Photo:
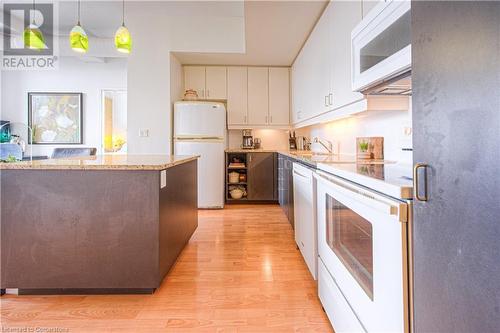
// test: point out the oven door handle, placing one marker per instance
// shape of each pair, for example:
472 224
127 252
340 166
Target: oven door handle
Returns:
366 197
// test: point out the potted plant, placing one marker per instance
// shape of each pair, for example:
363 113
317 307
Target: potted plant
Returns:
363 150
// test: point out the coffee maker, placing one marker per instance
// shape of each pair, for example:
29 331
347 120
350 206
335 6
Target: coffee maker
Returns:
247 139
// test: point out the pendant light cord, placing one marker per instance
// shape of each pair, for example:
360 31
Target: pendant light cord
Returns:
34 11
123 12
78 12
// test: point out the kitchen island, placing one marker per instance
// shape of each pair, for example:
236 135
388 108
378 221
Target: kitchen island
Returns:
100 224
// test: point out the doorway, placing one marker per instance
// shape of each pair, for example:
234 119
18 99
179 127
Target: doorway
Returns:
114 122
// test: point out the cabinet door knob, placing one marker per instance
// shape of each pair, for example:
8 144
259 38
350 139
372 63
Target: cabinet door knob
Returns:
326 100
330 98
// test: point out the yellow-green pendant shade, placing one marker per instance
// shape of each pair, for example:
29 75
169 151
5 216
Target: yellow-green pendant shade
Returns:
33 38
78 39
123 40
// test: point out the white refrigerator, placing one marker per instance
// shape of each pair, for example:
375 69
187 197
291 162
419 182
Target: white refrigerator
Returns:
200 129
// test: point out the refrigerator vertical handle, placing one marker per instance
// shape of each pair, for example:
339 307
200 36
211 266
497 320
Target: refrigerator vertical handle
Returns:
416 188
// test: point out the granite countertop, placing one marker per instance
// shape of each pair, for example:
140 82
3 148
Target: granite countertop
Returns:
388 177
103 162
241 150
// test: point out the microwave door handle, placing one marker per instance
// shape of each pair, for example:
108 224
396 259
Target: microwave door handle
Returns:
369 198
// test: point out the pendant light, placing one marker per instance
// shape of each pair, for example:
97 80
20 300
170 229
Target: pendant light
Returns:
78 39
123 40
33 36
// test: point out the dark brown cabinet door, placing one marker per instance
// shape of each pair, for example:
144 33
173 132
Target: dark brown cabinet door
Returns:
262 180
289 192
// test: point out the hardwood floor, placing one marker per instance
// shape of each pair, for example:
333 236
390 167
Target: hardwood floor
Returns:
241 272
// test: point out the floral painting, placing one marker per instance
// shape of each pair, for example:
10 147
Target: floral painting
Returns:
55 118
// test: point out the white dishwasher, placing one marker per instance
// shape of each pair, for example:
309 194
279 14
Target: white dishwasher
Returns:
304 194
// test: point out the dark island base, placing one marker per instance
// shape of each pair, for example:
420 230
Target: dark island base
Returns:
88 291
94 230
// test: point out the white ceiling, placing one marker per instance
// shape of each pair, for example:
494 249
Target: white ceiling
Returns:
99 18
102 18
275 31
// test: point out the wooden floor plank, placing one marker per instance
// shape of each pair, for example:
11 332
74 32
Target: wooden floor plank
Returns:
241 272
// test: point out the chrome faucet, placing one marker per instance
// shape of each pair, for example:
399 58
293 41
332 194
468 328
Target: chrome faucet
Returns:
328 146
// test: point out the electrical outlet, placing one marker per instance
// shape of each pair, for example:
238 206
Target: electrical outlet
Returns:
143 132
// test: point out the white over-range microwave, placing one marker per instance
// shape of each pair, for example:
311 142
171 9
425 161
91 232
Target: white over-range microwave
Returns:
381 45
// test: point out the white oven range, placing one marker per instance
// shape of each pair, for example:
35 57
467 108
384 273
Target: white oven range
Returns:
363 255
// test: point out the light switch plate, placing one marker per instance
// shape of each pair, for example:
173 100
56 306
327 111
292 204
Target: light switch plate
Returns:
143 132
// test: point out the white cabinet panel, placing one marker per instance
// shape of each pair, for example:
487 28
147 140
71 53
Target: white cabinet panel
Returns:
311 74
298 83
215 82
279 96
304 216
318 61
194 78
344 16
336 307
237 98
258 95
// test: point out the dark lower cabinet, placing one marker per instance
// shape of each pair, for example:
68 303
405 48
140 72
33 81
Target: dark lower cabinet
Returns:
262 177
285 186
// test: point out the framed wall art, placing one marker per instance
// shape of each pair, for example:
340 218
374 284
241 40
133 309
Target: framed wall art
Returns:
56 118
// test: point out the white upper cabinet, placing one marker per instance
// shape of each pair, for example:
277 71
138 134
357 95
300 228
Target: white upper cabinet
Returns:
237 97
298 87
279 96
321 73
209 82
344 16
194 78
215 82
316 61
258 95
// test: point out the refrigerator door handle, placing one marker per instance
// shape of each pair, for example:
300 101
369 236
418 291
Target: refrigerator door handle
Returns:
416 188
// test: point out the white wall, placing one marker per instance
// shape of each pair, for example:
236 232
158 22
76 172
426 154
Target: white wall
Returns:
388 124
176 87
158 28
72 76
